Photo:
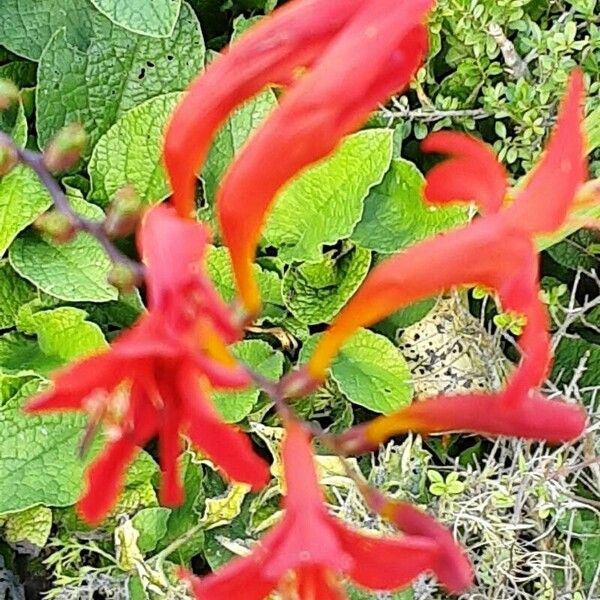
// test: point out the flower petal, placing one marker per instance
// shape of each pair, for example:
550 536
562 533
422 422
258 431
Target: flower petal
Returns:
542 205
533 417
471 173
229 448
105 479
386 563
293 36
241 578
318 583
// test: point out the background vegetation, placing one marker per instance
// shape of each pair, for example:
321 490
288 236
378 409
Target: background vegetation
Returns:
529 515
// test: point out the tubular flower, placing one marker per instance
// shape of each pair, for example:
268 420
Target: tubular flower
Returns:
375 44
373 56
302 554
155 378
497 251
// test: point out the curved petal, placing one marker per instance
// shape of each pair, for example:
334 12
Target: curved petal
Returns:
471 173
171 489
105 479
241 578
293 36
378 52
542 205
386 563
318 583
532 417
229 448
451 565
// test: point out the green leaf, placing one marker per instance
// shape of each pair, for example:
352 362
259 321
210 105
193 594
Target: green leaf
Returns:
116 314
152 526
130 153
22 200
315 292
370 371
14 292
396 215
156 18
592 129
576 355
27 25
76 271
232 136
325 202
28 531
404 318
261 358
39 462
218 267
116 72
20 72
573 252
62 334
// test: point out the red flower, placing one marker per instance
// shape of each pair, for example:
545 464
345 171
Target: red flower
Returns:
155 378
302 554
497 251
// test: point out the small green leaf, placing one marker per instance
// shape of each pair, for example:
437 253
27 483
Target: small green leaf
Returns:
156 18
151 524
370 371
263 359
325 202
75 271
130 153
315 292
592 129
116 72
396 215
14 292
27 531
218 267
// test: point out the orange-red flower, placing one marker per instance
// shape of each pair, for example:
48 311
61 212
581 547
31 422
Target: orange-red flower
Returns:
155 378
303 554
373 56
497 251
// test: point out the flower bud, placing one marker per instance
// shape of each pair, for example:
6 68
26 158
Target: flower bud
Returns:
8 158
65 148
9 94
57 225
124 213
124 278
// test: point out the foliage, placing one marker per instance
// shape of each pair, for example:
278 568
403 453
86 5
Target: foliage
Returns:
496 69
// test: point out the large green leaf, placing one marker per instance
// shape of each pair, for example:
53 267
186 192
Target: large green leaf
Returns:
261 358
370 371
315 292
155 18
39 462
76 271
130 153
116 72
396 216
51 338
325 202
28 530
232 136
26 26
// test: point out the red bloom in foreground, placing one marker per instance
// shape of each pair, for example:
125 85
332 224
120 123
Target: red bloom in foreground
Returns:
155 378
302 555
497 251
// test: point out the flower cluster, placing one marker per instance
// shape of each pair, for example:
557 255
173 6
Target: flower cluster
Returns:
336 60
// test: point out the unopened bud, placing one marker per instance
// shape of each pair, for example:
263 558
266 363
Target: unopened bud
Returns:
8 158
58 226
124 278
9 94
124 213
65 148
